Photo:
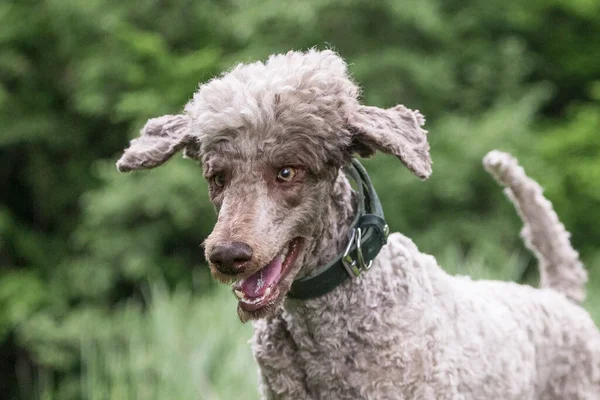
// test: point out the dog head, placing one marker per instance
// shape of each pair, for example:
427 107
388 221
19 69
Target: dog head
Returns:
271 138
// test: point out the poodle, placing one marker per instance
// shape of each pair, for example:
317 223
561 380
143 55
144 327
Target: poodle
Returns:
341 308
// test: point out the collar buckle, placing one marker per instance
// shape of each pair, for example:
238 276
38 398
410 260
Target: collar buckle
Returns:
355 267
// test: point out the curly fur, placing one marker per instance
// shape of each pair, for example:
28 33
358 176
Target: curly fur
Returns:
408 330
405 329
543 233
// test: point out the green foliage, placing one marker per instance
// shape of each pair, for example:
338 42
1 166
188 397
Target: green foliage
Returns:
571 150
172 350
79 78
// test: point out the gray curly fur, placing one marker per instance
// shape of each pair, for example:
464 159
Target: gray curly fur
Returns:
160 139
405 329
543 233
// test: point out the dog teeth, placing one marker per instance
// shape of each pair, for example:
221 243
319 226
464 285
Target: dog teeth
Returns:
240 295
283 254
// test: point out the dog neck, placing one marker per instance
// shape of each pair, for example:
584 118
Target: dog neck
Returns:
369 232
333 226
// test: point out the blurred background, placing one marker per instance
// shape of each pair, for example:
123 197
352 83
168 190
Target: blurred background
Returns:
104 293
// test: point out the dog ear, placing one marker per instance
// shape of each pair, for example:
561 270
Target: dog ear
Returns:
394 131
159 140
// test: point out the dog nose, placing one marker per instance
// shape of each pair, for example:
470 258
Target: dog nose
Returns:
230 258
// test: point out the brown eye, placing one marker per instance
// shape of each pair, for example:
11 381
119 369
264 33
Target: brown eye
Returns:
286 174
219 181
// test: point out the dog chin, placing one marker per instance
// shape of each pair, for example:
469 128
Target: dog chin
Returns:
263 312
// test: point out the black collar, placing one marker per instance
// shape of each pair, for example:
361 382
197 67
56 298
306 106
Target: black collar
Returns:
368 235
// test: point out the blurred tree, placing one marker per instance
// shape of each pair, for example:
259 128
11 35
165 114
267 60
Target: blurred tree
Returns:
76 79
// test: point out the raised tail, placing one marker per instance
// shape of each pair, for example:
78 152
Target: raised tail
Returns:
543 233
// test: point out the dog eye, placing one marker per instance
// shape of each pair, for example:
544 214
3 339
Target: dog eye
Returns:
219 181
286 174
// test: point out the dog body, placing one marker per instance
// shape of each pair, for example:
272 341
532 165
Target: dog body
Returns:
272 139
407 330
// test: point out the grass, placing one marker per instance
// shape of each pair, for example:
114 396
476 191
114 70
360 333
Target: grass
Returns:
182 347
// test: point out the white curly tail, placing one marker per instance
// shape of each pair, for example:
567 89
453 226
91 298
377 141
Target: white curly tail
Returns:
543 233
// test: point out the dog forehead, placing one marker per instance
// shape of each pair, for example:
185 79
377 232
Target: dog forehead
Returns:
320 72
299 101
287 88
298 140
256 149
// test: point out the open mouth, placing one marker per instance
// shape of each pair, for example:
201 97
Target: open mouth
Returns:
262 288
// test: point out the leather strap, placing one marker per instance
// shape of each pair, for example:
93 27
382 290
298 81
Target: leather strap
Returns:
368 228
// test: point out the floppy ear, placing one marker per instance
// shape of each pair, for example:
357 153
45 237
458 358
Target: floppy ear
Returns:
159 140
394 131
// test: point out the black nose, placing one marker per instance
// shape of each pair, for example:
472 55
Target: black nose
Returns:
230 258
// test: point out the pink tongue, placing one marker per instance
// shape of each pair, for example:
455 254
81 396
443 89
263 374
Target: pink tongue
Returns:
256 285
